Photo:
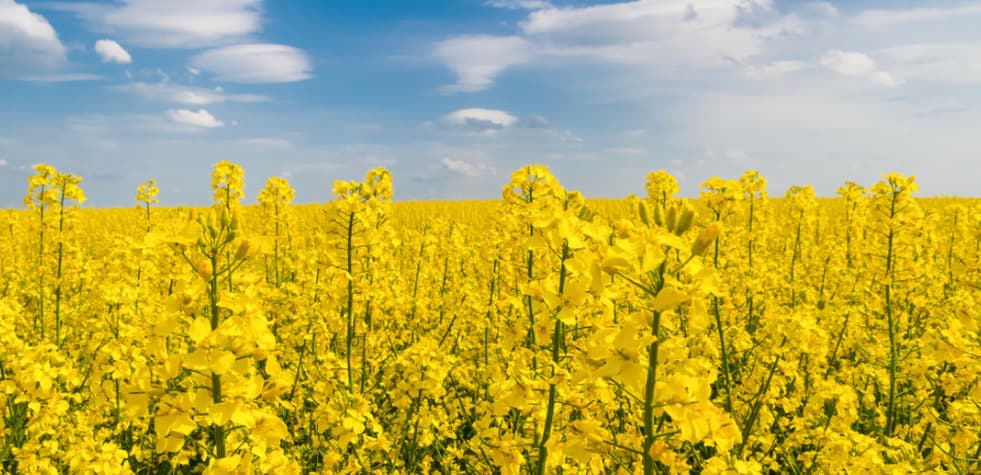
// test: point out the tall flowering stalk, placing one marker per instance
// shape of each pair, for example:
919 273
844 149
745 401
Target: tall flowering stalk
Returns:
853 194
754 195
51 189
361 209
532 194
275 199
146 194
802 204
661 187
896 216
648 257
721 196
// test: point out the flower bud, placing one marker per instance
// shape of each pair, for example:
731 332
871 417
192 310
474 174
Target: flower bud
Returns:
243 250
707 237
204 269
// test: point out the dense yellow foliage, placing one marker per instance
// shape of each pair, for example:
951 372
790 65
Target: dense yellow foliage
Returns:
539 333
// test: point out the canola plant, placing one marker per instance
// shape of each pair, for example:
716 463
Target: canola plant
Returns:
544 332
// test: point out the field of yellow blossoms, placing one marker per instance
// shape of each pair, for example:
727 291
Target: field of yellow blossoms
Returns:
540 333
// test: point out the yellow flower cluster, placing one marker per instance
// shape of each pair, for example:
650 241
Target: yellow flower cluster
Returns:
544 332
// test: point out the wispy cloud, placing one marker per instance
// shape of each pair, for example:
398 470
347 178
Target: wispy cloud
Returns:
482 121
478 59
466 168
194 96
654 35
892 17
936 63
60 77
853 63
518 4
171 24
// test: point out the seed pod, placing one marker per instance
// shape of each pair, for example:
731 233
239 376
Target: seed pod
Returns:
212 225
659 215
684 223
642 211
672 218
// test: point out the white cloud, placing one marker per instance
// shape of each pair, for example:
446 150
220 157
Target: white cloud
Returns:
478 59
60 77
943 63
201 118
3 163
466 168
130 128
518 4
482 121
194 96
849 63
810 130
28 43
853 63
112 52
658 32
255 63
655 36
884 18
173 24
822 8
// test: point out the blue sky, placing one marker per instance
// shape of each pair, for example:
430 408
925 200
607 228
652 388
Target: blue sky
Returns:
452 96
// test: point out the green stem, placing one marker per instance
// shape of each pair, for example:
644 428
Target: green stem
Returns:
890 320
40 265
350 299
276 274
755 410
649 426
726 376
558 341
218 432
61 244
